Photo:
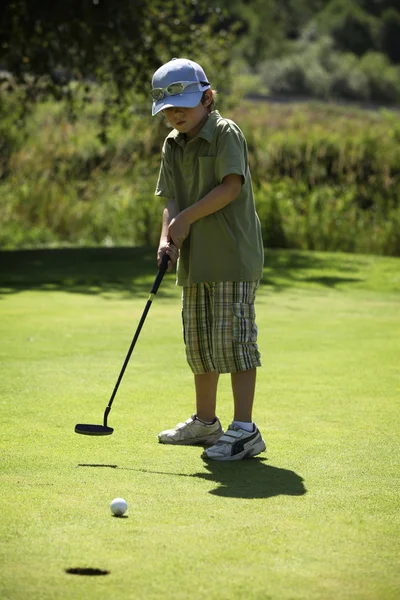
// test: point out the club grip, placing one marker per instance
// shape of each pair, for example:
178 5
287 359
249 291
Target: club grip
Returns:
161 272
164 262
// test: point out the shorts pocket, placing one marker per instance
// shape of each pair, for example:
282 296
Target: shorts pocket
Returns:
244 324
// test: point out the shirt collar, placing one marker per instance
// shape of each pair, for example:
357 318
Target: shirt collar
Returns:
206 132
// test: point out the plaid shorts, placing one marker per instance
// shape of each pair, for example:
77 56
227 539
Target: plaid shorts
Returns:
219 327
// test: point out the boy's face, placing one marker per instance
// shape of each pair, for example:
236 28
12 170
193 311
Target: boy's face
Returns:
187 120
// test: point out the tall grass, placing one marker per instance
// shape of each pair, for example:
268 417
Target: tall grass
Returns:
325 177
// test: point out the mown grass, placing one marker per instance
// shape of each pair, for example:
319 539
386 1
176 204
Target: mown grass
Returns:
315 518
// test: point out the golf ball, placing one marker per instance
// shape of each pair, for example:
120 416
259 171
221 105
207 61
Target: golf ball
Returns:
118 507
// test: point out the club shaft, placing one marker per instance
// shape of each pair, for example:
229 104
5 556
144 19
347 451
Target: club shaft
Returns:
128 356
156 285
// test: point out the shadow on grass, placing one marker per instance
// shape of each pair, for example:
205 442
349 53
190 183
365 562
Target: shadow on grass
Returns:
252 479
286 268
131 271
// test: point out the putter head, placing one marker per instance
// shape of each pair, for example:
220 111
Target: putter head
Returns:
93 429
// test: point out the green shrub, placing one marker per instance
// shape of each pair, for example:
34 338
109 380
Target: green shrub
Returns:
348 80
326 218
316 69
382 77
284 76
100 211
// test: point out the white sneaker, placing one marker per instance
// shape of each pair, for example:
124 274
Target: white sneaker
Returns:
236 444
191 432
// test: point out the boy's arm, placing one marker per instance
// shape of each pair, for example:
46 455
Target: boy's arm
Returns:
222 195
169 213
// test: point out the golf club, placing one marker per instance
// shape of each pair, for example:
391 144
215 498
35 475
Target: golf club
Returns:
87 429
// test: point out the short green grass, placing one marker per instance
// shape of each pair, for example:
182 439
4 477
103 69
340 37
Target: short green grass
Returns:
316 517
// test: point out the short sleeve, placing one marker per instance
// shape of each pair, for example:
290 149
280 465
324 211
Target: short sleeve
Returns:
165 184
231 155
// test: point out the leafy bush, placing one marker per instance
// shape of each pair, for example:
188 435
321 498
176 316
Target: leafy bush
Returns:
348 80
326 218
284 76
382 77
301 73
317 70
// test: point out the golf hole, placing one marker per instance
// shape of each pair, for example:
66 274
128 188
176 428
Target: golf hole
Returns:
86 571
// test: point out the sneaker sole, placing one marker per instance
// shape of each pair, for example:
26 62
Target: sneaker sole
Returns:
253 451
210 440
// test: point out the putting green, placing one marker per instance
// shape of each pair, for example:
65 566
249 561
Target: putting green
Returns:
314 518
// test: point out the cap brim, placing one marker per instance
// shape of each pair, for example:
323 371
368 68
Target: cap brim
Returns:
188 100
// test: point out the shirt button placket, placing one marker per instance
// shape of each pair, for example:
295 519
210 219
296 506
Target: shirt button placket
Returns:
187 163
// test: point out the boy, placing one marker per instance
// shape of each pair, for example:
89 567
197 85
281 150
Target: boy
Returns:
210 223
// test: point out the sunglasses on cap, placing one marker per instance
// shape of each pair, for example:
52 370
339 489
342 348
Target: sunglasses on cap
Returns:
174 88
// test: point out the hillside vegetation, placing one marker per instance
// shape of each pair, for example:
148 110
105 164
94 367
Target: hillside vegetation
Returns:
325 177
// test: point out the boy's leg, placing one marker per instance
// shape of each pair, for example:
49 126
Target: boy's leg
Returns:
206 395
243 388
237 353
203 427
242 438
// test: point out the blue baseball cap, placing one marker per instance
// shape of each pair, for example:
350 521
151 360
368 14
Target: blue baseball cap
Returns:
178 70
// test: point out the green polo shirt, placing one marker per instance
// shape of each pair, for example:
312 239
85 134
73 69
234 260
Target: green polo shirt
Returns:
226 245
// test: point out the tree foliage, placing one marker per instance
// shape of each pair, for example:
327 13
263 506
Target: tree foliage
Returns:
390 34
352 29
120 43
